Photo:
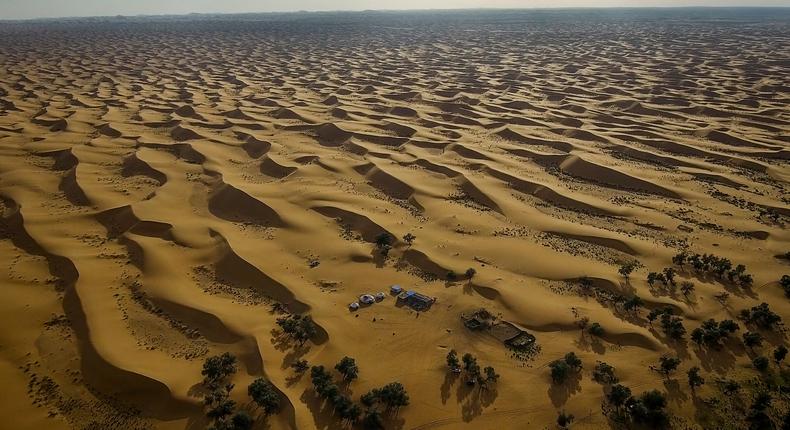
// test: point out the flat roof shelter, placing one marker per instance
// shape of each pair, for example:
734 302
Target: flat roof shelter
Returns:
415 300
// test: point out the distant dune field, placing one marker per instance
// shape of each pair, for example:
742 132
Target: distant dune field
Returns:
172 186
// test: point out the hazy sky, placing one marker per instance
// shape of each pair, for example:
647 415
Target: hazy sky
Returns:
20 9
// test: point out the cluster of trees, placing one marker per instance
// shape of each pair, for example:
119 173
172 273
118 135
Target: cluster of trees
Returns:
471 369
300 328
377 401
565 367
761 316
712 333
647 409
604 373
671 325
785 284
326 388
713 265
221 409
666 277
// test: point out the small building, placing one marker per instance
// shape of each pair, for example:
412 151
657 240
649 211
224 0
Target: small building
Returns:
380 296
396 289
367 299
415 300
354 306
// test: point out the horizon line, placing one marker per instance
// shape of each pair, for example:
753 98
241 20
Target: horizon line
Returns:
353 11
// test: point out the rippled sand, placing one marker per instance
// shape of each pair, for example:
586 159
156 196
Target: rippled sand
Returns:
166 182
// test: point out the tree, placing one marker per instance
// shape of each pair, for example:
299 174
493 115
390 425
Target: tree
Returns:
649 408
373 420
618 394
604 373
219 404
668 365
217 368
760 363
564 420
348 368
452 360
263 393
669 275
384 243
785 284
409 238
451 276
470 273
242 421
686 287
695 379
573 361
680 258
757 418
633 304
626 269
472 368
652 277
596 329
559 371
752 339
780 353
586 284
321 378
491 375
300 366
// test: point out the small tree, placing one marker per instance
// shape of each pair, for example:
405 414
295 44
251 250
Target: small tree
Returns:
452 360
626 269
573 361
300 366
669 275
451 276
604 373
633 304
564 420
384 243
559 371
263 393
348 368
668 365
686 287
695 379
760 363
785 284
242 421
470 273
596 329
618 394
752 339
217 368
491 376
779 354
409 238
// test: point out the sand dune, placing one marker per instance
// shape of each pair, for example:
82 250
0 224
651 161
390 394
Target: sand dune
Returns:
171 186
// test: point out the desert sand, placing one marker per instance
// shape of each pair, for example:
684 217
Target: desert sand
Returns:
172 185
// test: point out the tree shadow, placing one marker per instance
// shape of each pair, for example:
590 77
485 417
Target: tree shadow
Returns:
674 392
322 411
449 381
560 393
715 360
